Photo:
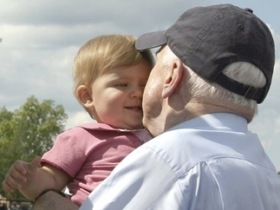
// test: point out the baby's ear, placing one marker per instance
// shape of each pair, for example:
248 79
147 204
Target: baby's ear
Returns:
84 95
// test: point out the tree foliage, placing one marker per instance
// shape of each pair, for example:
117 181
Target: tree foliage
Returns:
28 132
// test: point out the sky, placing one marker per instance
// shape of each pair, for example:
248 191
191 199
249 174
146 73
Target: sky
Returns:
40 39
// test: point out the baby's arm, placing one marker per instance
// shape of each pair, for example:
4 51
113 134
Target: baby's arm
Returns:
31 179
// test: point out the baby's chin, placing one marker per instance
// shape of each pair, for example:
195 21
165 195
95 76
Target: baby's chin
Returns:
132 126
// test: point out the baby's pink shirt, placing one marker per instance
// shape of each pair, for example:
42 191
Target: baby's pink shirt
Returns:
88 153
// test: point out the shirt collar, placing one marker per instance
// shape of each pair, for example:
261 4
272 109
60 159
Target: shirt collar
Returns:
221 121
142 134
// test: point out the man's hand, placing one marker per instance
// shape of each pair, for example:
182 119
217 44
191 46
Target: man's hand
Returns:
51 200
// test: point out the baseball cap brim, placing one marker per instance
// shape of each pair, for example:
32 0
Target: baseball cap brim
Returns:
150 40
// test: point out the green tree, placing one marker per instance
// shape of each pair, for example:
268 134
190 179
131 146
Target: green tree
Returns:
28 132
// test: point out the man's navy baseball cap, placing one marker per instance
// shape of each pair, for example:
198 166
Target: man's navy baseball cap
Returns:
207 39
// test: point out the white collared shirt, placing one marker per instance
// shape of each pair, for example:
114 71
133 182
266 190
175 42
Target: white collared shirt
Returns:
208 163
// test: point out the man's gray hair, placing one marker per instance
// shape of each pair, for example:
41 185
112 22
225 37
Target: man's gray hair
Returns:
242 72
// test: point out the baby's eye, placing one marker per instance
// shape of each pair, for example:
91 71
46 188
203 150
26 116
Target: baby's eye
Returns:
122 85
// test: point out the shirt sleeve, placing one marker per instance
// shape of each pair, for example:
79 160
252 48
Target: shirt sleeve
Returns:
67 153
130 186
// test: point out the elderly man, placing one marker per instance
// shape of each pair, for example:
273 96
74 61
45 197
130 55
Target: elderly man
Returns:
213 67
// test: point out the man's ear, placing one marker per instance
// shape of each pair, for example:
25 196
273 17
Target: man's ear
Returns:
173 78
84 96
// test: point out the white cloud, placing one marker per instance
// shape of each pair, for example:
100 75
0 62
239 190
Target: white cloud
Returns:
77 118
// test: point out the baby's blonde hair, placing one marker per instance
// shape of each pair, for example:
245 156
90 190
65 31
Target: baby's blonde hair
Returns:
103 53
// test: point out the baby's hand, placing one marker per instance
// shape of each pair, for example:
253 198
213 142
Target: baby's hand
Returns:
19 174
